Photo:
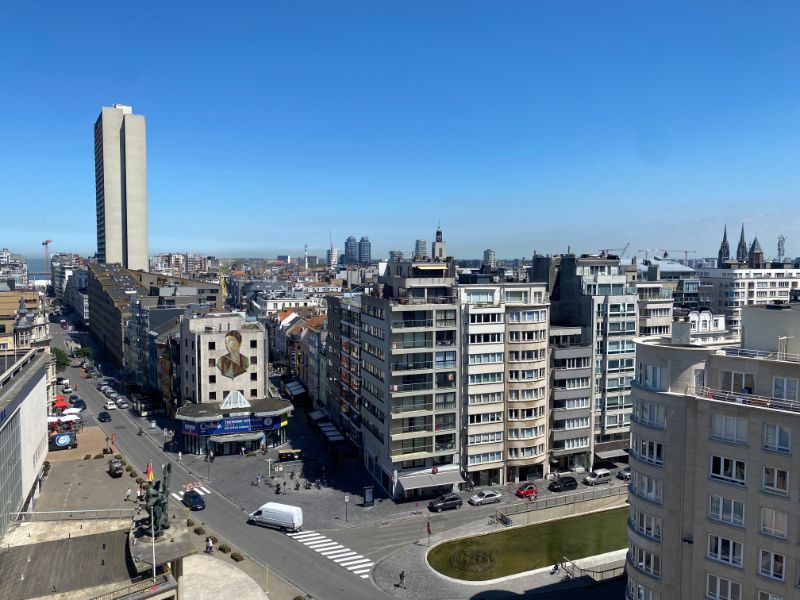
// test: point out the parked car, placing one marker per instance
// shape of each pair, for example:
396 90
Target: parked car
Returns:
624 473
598 476
73 397
281 516
485 497
104 417
563 484
109 405
67 389
193 500
526 490
115 468
122 403
80 404
444 502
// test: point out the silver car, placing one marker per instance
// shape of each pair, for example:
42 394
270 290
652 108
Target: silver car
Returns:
485 497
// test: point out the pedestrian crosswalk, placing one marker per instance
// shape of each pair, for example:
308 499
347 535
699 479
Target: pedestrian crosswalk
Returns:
344 557
199 489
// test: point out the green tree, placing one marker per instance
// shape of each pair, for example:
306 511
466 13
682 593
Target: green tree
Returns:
84 352
62 360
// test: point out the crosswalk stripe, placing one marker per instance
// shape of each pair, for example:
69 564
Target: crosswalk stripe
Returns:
336 553
350 561
320 544
178 498
325 551
360 571
207 491
200 492
294 535
365 576
347 556
309 536
353 567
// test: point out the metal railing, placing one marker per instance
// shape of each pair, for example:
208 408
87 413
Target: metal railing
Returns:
404 345
564 499
412 366
742 398
73 515
411 387
763 354
412 323
426 428
160 583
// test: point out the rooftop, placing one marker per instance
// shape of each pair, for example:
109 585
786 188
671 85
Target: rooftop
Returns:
24 370
212 410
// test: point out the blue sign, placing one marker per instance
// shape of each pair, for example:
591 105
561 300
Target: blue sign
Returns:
64 440
231 425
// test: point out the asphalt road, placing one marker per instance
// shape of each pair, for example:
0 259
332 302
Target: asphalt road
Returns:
292 561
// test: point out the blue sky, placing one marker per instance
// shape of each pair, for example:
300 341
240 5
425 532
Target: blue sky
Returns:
518 125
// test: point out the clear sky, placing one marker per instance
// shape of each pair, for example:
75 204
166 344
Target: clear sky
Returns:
519 125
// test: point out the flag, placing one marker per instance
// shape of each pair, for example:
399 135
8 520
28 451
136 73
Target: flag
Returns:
149 472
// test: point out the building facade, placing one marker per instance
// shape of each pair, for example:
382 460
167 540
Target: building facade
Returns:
120 154
364 251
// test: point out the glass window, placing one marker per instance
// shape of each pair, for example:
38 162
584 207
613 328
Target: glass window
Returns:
724 550
728 469
720 588
729 429
771 564
726 510
773 522
776 438
776 480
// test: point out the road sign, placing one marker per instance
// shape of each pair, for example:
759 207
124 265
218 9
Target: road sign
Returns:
347 498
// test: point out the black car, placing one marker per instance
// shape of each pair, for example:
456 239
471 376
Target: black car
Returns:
444 502
193 500
79 404
563 484
104 417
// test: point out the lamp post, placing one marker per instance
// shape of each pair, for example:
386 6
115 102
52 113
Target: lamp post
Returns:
346 502
269 468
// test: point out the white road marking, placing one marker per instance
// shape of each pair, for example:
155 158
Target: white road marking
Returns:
325 551
344 557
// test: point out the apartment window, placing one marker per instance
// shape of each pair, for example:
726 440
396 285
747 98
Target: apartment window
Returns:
728 469
768 596
647 487
528 393
729 429
646 524
776 438
773 522
479 297
479 378
486 338
516 296
737 382
212 362
212 379
478 459
253 360
485 438
719 588
212 395
784 388
489 398
527 316
645 561
212 345
253 376
776 480
575 443
771 564
254 343
495 417
637 591
724 550
253 392
649 413
486 358
481 318
648 451
726 510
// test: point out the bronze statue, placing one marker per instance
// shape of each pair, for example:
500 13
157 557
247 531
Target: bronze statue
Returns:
157 503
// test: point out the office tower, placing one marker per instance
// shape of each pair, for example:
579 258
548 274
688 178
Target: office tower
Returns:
364 251
350 251
410 414
593 292
396 255
490 258
120 160
505 386
333 257
439 248
420 250
714 437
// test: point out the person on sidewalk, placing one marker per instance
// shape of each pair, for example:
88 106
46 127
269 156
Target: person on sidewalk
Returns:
209 545
128 494
402 583
180 456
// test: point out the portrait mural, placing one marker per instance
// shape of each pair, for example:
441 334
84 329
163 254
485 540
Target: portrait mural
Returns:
233 363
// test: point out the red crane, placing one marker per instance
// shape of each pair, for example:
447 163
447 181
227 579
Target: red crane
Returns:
46 245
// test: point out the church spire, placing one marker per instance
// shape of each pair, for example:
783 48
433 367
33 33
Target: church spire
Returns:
724 254
741 249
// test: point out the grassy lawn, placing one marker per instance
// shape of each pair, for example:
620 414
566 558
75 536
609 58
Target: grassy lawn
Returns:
526 548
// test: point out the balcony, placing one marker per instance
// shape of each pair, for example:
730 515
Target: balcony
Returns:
402 388
412 344
760 354
446 447
415 300
446 364
412 452
408 431
746 399
416 366
413 323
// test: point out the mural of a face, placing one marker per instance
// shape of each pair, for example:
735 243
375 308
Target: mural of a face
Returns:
233 364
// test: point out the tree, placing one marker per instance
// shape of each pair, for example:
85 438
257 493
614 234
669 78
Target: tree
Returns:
62 360
83 352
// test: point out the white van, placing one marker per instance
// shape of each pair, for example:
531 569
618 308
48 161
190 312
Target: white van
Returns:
280 516
598 476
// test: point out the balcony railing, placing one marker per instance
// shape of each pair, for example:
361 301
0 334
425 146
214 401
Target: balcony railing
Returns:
426 428
405 345
405 300
446 447
412 366
747 399
412 323
762 354
446 364
412 450
411 387
401 409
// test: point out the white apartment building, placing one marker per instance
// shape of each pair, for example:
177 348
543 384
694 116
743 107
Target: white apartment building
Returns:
715 487
504 365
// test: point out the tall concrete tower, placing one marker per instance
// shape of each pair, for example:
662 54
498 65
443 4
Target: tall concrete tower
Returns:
120 168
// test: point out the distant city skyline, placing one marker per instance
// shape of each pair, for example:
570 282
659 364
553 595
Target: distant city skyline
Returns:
583 125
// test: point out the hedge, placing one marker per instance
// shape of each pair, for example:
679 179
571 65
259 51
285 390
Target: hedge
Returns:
224 548
199 531
237 557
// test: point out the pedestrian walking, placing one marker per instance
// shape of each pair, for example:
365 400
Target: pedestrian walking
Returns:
241 451
209 545
139 495
128 494
258 479
211 456
402 583
180 456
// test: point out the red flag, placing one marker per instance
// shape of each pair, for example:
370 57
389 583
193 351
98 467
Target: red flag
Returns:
149 472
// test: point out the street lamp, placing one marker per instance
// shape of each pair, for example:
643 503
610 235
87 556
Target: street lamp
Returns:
269 468
346 502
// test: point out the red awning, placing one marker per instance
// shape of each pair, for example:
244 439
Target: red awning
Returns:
60 397
61 404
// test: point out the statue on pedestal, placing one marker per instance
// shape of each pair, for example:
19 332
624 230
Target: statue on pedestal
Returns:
157 503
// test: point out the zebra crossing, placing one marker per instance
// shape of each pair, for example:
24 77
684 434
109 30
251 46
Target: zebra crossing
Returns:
344 557
199 489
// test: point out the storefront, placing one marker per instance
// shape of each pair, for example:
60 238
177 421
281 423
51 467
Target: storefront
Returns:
235 424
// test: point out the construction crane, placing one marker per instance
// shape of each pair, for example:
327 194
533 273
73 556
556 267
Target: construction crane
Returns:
46 245
686 253
621 251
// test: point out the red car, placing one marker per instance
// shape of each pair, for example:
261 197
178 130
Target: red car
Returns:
526 490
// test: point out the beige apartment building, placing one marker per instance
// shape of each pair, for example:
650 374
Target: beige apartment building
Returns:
715 436
505 376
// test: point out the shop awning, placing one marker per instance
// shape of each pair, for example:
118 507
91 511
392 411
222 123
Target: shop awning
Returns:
235 437
608 454
61 404
425 480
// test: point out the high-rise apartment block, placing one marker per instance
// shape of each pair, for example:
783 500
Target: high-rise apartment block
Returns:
13 267
439 248
490 258
714 438
332 256
120 158
420 250
350 251
62 266
364 251
594 293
